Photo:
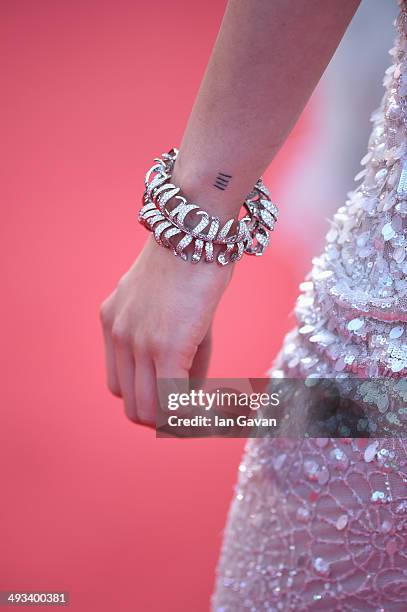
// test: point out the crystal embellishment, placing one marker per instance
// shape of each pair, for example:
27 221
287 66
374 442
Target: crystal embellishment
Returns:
163 205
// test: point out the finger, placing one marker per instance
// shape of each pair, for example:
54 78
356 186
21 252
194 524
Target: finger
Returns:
145 390
111 366
110 357
167 367
202 357
125 370
172 378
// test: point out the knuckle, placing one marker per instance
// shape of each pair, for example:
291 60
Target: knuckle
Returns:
139 343
121 283
106 310
114 388
131 416
172 351
185 355
120 333
145 418
160 347
207 341
104 313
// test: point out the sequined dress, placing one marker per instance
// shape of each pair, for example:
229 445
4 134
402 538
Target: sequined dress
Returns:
321 523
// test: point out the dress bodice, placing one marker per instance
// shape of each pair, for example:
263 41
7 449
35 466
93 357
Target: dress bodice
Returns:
352 310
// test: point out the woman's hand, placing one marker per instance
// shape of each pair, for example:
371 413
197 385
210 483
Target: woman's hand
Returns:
157 324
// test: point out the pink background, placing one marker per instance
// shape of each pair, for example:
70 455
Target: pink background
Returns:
91 503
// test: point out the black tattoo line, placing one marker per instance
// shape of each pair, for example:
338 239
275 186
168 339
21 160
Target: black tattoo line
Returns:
222 180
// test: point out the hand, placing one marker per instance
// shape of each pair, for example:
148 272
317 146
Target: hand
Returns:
157 324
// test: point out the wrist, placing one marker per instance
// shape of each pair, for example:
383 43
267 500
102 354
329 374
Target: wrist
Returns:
198 186
170 262
173 215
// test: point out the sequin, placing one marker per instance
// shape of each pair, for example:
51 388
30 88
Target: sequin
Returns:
342 522
378 496
325 528
355 324
386 526
323 475
321 566
303 514
388 231
279 461
311 469
339 459
370 451
306 329
396 332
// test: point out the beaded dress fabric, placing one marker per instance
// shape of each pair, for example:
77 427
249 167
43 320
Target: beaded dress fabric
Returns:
321 523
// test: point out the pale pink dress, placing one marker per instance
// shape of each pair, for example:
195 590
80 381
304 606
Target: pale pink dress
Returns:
321 523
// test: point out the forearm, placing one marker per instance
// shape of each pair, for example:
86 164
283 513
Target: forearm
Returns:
266 62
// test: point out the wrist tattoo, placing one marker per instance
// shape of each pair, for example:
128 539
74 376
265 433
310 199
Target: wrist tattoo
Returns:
222 180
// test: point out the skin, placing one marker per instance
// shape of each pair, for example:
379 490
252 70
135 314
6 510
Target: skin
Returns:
266 62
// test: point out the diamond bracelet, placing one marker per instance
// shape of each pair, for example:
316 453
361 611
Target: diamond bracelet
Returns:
252 231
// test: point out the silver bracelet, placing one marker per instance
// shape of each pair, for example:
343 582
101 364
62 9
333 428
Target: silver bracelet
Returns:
252 231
